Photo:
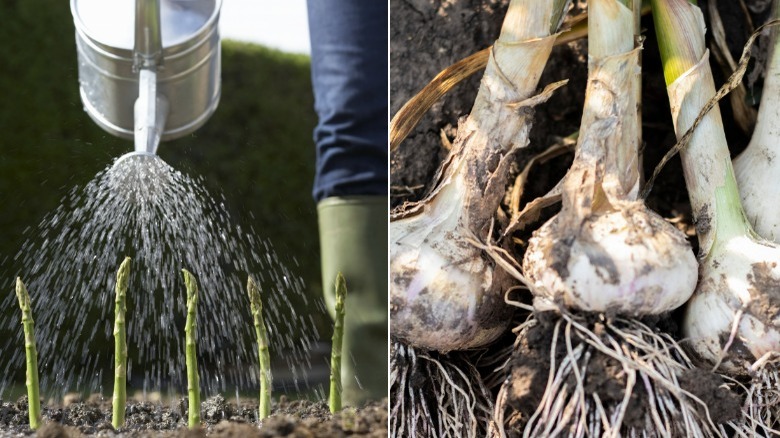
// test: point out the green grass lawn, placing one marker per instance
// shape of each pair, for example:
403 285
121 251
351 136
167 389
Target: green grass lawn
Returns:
257 148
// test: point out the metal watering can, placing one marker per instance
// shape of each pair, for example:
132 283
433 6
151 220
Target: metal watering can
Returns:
153 78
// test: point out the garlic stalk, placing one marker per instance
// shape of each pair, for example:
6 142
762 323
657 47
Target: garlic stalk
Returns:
606 251
757 168
732 318
445 292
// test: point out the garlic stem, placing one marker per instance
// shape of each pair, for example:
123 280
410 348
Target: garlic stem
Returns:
680 48
706 161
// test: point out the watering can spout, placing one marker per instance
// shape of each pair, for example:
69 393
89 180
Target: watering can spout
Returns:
151 111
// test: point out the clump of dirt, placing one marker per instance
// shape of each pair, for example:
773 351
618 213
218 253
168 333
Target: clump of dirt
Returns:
723 404
299 418
603 376
764 306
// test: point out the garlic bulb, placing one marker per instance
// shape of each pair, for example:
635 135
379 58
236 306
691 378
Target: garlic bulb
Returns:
737 287
606 251
624 259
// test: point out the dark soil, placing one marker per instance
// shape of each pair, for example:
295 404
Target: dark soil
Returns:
710 388
219 419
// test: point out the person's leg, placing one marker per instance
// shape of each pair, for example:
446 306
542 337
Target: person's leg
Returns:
349 75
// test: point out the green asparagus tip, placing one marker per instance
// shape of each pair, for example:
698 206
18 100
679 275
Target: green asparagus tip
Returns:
254 295
21 294
124 268
341 290
192 287
123 275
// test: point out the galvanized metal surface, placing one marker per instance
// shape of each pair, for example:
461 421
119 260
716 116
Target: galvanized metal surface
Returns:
188 77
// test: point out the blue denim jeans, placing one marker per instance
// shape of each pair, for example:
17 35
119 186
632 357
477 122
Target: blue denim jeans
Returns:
349 75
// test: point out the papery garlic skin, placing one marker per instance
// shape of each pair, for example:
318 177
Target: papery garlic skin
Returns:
628 261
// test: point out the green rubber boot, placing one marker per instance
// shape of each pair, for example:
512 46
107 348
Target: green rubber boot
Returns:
353 241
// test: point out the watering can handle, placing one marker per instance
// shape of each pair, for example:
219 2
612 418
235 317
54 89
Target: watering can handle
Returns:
148 37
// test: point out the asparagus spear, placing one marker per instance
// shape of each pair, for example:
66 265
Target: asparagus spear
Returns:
262 349
34 401
120 346
193 382
334 400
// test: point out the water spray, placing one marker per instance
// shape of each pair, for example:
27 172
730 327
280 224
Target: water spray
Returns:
151 80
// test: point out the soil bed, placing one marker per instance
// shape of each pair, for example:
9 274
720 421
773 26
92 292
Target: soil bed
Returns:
300 418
